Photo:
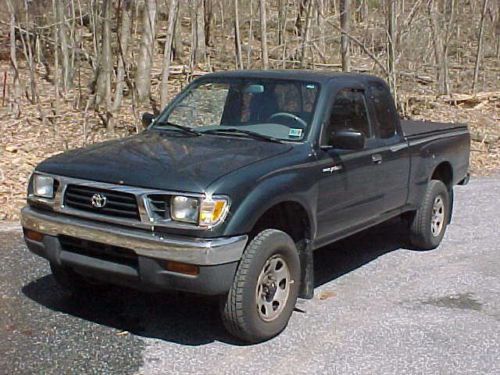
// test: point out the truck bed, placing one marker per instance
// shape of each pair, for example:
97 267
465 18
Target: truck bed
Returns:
413 127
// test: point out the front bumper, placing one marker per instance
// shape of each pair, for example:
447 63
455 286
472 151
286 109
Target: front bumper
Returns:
217 258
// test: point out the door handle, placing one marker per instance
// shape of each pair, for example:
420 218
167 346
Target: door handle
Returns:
377 158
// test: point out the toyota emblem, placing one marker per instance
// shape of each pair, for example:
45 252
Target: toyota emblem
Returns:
98 200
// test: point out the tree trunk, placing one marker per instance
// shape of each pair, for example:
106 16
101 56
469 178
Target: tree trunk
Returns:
167 54
104 69
305 36
479 47
345 26
237 37
263 34
321 26
105 65
67 71
450 15
177 47
146 51
436 41
250 37
391 36
123 38
281 21
15 92
198 50
300 13
26 39
440 33
208 17
56 63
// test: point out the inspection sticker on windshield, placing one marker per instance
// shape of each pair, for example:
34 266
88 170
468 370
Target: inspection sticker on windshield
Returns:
295 132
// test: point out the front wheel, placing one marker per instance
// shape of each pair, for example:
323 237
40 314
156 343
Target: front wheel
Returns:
428 225
265 288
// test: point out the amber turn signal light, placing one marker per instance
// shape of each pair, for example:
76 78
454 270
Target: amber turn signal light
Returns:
187 269
32 235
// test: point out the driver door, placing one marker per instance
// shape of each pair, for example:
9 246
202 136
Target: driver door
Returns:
347 196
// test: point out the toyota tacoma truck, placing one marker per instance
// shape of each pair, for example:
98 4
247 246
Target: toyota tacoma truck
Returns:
232 187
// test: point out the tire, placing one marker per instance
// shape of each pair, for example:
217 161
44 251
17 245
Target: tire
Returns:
73 282
428 225
262 297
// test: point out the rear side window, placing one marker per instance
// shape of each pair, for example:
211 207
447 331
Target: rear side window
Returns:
383 105
349 113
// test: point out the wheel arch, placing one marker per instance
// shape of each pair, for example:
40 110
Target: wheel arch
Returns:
444 173
290 216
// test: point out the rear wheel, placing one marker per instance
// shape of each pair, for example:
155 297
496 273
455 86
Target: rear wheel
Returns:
428 225
265 288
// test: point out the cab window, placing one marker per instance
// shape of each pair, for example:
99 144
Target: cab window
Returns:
384 112
348 112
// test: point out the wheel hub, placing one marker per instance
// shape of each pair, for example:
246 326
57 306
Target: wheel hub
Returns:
273 288
269 290
438 216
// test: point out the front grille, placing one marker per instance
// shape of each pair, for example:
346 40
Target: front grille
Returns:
98 250
159 206
118 204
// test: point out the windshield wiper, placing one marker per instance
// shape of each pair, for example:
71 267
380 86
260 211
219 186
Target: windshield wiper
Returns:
186 129
243 132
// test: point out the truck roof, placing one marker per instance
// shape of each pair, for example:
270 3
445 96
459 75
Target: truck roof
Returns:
319 76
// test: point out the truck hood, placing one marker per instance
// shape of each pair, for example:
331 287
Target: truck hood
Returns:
162 160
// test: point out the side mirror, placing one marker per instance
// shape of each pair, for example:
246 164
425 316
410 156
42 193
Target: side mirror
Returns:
347 140
147 119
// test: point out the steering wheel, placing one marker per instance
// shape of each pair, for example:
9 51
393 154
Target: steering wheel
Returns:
290 116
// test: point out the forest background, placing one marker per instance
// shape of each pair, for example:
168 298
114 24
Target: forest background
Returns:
75 72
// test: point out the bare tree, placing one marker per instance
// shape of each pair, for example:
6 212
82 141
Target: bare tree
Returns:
345 26
479 46
26 40
146 50
198 50
167 54
105 65
178 51
237 37
441 33
56 63
67 69
300 14
250 36
263 34
16 91
123 40
392 38
306 36
208 16
321 10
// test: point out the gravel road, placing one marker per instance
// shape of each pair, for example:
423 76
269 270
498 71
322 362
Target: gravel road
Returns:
379 308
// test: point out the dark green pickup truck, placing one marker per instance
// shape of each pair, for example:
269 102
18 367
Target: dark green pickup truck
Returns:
234 185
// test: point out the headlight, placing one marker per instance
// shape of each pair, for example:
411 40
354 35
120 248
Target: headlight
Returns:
43 186
205 212
185 209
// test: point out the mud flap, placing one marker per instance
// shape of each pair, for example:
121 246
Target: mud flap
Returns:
307 270
451 195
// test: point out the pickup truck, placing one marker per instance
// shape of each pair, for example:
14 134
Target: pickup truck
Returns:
232 187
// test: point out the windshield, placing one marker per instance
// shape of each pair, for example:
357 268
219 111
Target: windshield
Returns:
281 109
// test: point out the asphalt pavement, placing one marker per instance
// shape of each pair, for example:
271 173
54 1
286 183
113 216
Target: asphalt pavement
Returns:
379 308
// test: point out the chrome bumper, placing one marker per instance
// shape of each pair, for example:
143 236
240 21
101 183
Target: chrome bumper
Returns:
200 251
